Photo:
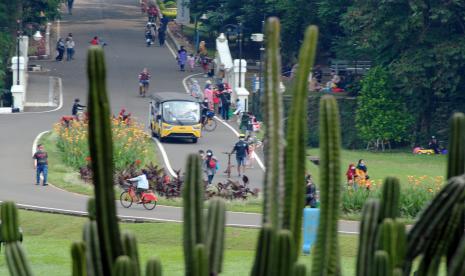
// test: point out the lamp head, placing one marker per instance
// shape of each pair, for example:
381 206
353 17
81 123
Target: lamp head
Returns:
37 36
204 17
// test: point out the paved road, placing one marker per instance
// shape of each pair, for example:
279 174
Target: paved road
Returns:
120 24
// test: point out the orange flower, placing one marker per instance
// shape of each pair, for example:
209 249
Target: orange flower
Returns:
88 158
138 162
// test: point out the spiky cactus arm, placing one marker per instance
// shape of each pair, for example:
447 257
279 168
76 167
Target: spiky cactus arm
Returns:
15 256
101 152
433 217
455 167
441 242
215 234
264 254
130 250
193 196
326 257
390 199
367 237
284 257
457 265
200 261
78 256
274 175
297 141
94 266
153 267
123 266
456 160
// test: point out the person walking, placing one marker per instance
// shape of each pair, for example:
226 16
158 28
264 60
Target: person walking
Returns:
41 164
70 47
210 166
241 148
70 7
191 62
310 194
208 94
161 36
196 90
182 58
61 49
225 97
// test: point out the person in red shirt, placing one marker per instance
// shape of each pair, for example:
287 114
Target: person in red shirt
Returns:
350 174
94 41
41 164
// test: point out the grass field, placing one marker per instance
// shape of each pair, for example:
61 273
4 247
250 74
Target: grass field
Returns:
48 238
380 165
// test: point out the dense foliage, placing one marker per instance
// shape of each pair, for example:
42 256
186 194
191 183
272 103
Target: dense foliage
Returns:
381 113
26 11
420 44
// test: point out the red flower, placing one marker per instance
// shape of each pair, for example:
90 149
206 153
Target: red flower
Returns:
88 158
138 162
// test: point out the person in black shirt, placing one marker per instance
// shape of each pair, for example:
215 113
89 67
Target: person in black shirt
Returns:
76 108
241 148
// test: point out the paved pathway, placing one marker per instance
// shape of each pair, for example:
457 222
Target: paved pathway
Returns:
120 24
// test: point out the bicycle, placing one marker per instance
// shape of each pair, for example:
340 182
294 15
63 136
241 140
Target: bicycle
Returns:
148 198
227 171
143 88
209 123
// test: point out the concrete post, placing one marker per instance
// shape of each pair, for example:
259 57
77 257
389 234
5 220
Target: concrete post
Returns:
240 71
47 39
18 92
22 69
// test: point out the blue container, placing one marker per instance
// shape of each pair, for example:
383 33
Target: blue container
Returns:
311 221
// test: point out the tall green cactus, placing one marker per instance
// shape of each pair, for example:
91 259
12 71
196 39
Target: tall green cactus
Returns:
297 141
392 240
456 166
93 252
390 199
264 261
200 261
101 152
123 266
456 154
215 234
274 176
284 255
326 257
130 250
78 256
457 265
382 264
367 238
153 267
193 196
15 256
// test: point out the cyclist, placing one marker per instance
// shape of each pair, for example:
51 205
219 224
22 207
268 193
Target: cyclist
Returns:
241 148
142 184
144 81
76 108
204 110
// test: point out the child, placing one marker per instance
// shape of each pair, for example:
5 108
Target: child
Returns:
350 174
191 62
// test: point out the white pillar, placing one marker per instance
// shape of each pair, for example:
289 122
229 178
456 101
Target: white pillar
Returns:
236 70
23 46
18 92
47 39
22 69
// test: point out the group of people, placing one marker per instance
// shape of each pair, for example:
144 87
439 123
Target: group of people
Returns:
243 150
152 30
357 175
201 58
67 45
216 98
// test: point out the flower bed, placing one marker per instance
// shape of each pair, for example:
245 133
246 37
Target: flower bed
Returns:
130 143
414 195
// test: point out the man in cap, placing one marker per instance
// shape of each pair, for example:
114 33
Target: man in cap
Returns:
241 148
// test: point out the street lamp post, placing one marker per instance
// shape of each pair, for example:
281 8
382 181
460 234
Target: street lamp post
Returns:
240 54
196 30
18 37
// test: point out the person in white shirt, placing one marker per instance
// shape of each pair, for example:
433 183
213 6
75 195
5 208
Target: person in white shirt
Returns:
142 183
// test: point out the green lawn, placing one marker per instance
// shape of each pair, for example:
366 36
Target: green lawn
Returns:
48 238
380 165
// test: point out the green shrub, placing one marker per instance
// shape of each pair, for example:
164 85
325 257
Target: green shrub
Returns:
170 4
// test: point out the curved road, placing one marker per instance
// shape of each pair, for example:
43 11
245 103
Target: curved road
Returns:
120 24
